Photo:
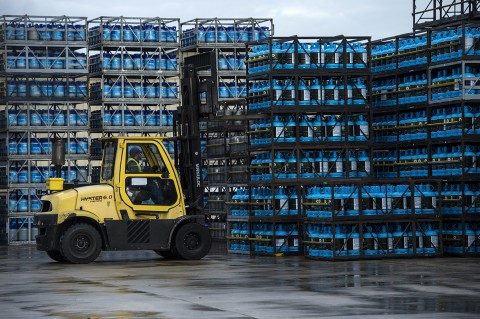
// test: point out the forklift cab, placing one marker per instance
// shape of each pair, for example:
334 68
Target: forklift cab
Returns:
145 179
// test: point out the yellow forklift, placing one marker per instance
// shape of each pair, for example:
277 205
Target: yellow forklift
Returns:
142 202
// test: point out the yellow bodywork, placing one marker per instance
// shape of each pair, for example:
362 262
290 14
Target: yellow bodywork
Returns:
106 201
54 184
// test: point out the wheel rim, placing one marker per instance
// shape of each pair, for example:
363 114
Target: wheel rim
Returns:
192 241
82 243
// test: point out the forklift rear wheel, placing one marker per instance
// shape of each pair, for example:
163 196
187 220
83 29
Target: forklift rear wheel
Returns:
80 244
56 255
192 241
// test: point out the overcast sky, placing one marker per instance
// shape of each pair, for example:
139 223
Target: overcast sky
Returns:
376 18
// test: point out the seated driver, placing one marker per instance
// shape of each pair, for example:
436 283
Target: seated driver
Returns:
151 190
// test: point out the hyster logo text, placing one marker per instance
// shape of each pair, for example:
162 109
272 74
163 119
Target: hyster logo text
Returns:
91 199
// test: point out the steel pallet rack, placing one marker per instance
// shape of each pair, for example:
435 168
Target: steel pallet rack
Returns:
43 69
226 37
426 118
313 127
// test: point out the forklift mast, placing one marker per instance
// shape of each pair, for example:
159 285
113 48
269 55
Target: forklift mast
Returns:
199 103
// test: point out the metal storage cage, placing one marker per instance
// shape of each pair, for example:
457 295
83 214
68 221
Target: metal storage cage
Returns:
432 13
225 142
43 69
134 77
312 127
426 119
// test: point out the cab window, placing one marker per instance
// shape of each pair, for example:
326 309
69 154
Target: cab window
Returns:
148 181
108 160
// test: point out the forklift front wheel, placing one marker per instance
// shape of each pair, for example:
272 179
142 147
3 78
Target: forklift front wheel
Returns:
80 244
192 241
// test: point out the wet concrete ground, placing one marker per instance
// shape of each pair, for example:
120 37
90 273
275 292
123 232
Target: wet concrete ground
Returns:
143 285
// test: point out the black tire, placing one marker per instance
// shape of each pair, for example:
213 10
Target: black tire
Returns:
192 241
56 255
80 244
167 254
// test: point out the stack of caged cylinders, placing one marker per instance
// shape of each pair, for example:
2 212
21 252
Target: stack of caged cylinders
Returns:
426 125
134 77
44 71
223 137
309 144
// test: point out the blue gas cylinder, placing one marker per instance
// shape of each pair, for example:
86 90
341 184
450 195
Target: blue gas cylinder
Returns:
35 90
292 166
306 129
151 33
281 202
35 146
106 61
116 62
59 118
138 35
127 33
115 33
331 93
33 61
59 89
11 88
11 63
304 52
20 32
46 146
316 92
13 175
128 62
331 56
22 207
307 166
280 166
12 202
21 62
150 118
401 240
117 118
35 205
116 90
82 146
35 175
341 247
148 62
58 33
138 118
12 146
22 88
22 119
22 175
171 62
128 118
72 146
430 240
385 241
81 89
128 90
361 128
